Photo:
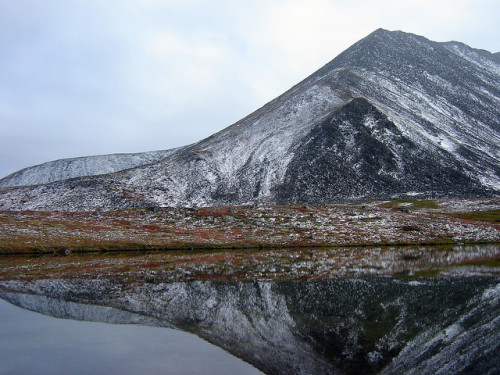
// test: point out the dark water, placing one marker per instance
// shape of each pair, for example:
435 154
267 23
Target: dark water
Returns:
31 343
338 326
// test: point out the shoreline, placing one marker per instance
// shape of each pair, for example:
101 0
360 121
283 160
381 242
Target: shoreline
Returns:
127 248
408 222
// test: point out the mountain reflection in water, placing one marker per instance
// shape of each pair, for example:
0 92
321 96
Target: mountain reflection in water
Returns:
34 344
354 326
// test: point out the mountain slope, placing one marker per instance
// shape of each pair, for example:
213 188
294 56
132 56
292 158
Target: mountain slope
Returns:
363 154
64 169
394 115
442 95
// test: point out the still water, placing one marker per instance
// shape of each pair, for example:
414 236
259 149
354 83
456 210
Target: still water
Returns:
330 326
32 343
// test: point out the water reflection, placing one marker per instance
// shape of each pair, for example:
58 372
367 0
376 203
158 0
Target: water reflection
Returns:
356 326
36 344
263 264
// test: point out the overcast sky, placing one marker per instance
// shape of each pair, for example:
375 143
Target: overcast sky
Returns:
88 77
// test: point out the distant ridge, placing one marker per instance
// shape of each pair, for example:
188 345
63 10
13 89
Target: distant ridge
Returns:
64 169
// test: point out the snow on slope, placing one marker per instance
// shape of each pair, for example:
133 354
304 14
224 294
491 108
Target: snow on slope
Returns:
442 100
441 95
83 166
241 162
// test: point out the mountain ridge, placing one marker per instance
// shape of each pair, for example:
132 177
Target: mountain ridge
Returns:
82 166
443 98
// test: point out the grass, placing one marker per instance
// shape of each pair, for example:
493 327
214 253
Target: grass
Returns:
415 203
270 227
488 215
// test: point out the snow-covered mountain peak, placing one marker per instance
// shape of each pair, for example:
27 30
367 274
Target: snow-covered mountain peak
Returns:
393 113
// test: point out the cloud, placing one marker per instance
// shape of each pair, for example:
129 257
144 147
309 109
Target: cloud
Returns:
92 77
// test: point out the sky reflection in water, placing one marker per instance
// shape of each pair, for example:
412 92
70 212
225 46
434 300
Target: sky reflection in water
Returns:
32 343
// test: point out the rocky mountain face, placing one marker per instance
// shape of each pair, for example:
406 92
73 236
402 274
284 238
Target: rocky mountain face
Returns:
365 155
394 115
343 326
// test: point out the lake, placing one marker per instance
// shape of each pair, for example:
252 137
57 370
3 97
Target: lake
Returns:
32 343
325 326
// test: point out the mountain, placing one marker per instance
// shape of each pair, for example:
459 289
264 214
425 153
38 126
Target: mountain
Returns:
340 326
64 169
394 115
